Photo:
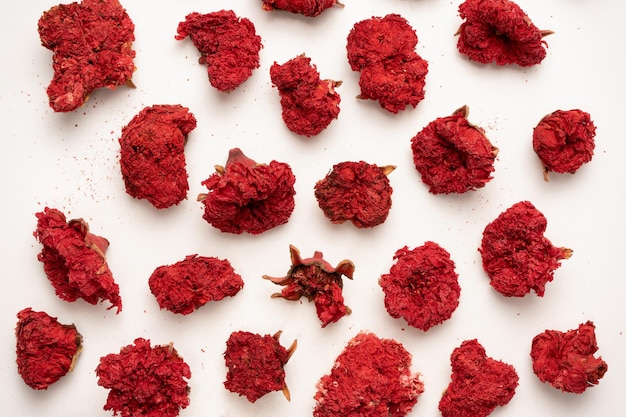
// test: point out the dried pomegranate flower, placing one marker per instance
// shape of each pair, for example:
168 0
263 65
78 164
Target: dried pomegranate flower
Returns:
452 155
370 378
248 197
92 46
564 140
144 380
383 49
566 359
316 280
152 157
228 44
499 31
516 255
422 286
310 8
46 349
356 191
256 364
479 383
191 283
74 261
308 103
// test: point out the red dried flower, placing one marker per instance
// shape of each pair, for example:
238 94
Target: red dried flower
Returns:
92 46
256 364
422 286
191 283
152 157
564 140
308 103
74 261
370 378
479 383
310 8
392 73
566 359
356 191
248 197
316 280
452 155
516 255
499 31
227 43
46 349
144 380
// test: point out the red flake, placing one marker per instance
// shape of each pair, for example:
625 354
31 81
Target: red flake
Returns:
515 254
152 157
310 8
566 359
452 155
356 191
316 280
370 378
246 196
227 43
92 46
46 349
499 31
191 283
479 383
144 380
308 103
74 260
422 286
383 50
564 140
256 364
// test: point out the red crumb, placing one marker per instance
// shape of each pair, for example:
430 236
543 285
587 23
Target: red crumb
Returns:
46 349
309 8
479 383
152 157
516 255
566 359
74 261
228 44
370 378
191 283
92 46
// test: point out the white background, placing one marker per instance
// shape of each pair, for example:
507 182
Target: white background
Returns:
70 162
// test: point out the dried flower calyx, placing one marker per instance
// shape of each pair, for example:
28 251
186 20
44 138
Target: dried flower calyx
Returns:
566 359
228 44
309 8
152 157
499 31
309 104
479 383
46 349
516 255
452 155
564 141
315 279
92 45
74 261
370 378
245 196
391 72
358 192
145 380
256 364
422 286
191 283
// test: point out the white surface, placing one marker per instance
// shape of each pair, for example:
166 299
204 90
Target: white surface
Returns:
70 162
